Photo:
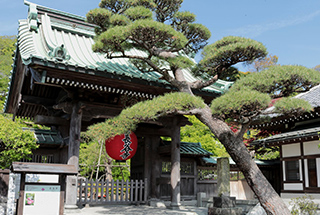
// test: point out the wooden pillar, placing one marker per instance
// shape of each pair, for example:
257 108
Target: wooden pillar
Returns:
175 165
155 167
20 202
73 154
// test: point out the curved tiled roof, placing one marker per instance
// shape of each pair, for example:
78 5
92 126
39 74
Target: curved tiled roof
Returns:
288 136
186 148
42 39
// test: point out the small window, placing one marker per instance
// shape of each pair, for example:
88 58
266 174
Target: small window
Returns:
236 175
186 168
166 167
292 170
206 175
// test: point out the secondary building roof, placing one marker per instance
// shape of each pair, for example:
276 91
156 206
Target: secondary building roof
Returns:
293 136
186 148
277 120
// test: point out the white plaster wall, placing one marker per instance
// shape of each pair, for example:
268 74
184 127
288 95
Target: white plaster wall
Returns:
284 170
293 186
291 150
306 173
300 170
318 171
311 148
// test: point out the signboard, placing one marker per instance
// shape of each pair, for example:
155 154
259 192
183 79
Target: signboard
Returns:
41 199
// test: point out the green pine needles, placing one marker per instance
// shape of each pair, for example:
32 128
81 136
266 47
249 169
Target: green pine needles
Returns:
145 111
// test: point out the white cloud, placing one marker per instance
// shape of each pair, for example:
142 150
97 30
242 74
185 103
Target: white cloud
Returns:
256 30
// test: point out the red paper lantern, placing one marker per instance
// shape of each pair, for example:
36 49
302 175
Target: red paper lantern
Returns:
122 147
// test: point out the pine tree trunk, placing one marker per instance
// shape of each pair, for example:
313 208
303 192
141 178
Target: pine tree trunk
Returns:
267 196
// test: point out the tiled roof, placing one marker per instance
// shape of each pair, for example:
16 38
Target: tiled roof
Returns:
60 40
191 149
47 136
211 161
312 96
288 136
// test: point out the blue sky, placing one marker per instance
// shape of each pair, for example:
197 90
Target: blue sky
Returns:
289 29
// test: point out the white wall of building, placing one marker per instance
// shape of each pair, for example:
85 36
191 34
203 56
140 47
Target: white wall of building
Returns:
291 150
293 186
311 148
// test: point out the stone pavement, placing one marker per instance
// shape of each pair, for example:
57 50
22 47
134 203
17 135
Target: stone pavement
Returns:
137 210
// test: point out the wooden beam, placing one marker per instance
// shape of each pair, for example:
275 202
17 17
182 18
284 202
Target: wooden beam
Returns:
90 111
50 120
37 100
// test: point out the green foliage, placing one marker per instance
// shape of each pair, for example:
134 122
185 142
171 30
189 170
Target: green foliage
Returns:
229 51
88 158
139 12
271 153
121 170
144 111
198 132
185 17
303 206
163 36
117 38
15 144
100 17
166 9
292 105
7 48
181 62
238 104
197 34
119 20
120 6
280 81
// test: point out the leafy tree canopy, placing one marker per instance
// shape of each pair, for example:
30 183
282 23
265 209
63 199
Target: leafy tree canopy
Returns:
198 132
6 50
15 143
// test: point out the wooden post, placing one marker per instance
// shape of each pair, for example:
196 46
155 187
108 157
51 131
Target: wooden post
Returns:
175 165
155 158
20 203
73 154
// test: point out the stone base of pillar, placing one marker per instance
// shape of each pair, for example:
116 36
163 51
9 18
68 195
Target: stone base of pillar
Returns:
174 206
224 211
157 203
224 202
71 209
224 205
